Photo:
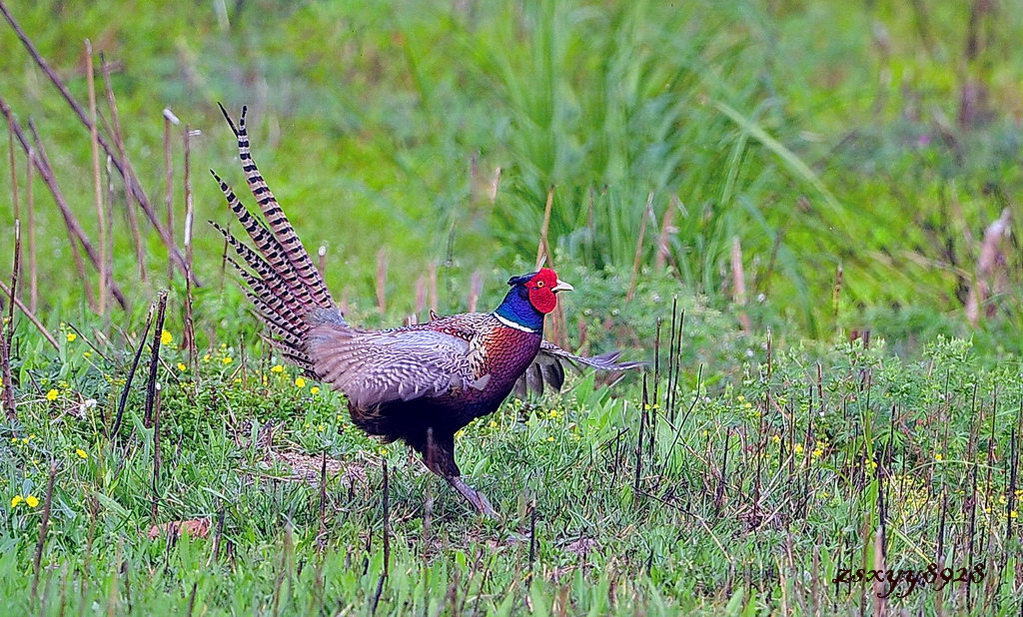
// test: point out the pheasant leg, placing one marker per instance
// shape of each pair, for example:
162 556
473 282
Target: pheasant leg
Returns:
476 498
439 456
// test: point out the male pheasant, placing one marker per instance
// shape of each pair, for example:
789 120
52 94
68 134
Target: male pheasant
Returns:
419 383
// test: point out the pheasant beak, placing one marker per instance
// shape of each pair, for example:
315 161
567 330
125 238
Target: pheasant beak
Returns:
562 286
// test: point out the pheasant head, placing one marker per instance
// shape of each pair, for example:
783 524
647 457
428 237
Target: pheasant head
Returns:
531 297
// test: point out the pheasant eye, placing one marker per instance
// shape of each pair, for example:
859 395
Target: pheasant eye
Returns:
539 283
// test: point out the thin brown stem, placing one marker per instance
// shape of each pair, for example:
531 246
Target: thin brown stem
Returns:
97 185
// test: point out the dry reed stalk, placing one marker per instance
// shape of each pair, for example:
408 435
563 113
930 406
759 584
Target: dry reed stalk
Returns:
557 331
381 282
991 260
30 214
31 316
189 330
495 184
76 235
431 290
169 119
154 358
97 186
543 249
7 332
44 528
475 289
648 212
668 229
133 185
420 295
123 400
14 172
739 284
115 122
74 229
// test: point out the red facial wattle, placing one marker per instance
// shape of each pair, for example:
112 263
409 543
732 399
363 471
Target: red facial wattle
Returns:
541 290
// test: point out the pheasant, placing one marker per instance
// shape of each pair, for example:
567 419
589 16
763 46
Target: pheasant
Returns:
419 383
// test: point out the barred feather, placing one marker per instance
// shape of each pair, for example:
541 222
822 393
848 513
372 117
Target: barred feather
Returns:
268 245
308 276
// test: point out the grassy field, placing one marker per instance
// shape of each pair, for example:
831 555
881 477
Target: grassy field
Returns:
828 192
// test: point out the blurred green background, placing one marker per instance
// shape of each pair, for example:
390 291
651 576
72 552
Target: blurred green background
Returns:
877 138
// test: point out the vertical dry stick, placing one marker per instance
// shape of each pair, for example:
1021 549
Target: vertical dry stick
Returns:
44 528
991 257
75 233
7 332
668 229
154 510
96 184
420 295
648 212
321 255
31 317
154 359
123 401
168 180
739 284
381 283
30 213
475 289
495 183
431 274
115 121
543 249
14 173
133 185
189 333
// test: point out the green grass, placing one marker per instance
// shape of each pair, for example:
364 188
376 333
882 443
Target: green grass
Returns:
798 497
824 136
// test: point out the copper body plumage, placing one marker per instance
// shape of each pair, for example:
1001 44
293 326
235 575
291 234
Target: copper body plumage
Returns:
420 383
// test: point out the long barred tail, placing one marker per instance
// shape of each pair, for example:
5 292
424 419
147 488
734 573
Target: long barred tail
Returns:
282 283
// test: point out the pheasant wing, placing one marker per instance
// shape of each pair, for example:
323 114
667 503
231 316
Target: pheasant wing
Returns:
377 367
549 368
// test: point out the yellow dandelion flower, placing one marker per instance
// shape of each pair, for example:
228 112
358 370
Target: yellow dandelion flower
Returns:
382 451
321 427
740 398
166 338
776 438
52 394
938 457
32 501
71 337
206 358
277 368
798 448
550 439
237 380
182 367
492 424
872 464
16 500
824 495
299 382
817 453
1002 500
553 413
87 355
227 360
1013 514
82 454
24 440
314 390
